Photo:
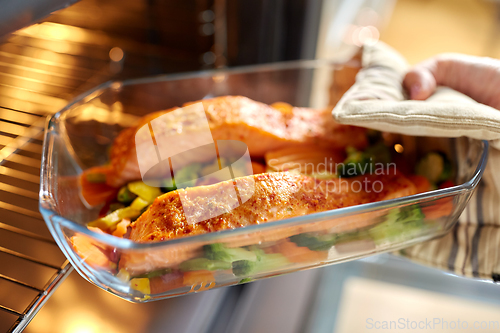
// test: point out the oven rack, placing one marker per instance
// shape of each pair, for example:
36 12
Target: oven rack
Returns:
44 66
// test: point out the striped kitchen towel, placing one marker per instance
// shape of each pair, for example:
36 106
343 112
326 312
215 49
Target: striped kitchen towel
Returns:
377 100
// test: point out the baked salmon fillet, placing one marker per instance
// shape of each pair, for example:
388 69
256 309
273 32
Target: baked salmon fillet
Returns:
261 127
270 197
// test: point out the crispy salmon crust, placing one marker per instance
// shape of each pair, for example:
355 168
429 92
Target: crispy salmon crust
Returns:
262 127
275 196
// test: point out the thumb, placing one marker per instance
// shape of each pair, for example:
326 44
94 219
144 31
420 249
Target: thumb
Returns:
420 82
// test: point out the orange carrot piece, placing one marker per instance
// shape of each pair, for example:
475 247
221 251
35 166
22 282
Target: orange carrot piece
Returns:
197 277
421 183
121 228
164 283
95 193
90 252
199 280
297 254
439 208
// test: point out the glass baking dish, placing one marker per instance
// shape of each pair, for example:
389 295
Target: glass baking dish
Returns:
79 136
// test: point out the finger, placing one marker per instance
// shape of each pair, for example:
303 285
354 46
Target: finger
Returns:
420 83
477 77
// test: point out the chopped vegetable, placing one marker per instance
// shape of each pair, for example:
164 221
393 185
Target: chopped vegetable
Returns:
243 267
264 262
139 204
121 228
165 188
188 173
96 177
139 196
95 193
399 222
439 208
90 251
167 282
115 206
204 278
298 254
435 167
204 264
153 274
351 236
379 153
211 167
141 284
125 196
123 275
110 221
355 164
359 163
421 183
314 242
144 191
218 251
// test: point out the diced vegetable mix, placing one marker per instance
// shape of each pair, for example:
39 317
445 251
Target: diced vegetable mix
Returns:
125 196
141 284
204 264
134 198
93 187
400 222
363 162
143 191
96 177
109 222
219 251
248 261
436 167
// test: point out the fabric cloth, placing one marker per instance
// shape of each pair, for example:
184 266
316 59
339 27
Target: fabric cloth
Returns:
377 100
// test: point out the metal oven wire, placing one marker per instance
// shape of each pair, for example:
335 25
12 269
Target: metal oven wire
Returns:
41 68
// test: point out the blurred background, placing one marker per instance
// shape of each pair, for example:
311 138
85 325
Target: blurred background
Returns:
45 65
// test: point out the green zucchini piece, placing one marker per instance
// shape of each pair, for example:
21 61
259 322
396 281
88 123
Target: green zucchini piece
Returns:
144 191
218 251
198 264
314 242
96 177
435 167
150 275
398 222
110 221
264 262
125 196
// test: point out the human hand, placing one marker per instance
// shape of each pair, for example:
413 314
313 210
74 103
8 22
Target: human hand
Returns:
477 77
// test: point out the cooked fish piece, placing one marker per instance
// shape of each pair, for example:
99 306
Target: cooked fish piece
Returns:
271 196
262 127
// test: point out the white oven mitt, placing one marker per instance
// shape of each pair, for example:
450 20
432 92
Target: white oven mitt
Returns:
378 101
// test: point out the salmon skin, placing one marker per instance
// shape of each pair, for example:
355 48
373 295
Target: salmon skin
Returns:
261 127
275 196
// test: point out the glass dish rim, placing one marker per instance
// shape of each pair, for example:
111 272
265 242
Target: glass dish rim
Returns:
128 244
